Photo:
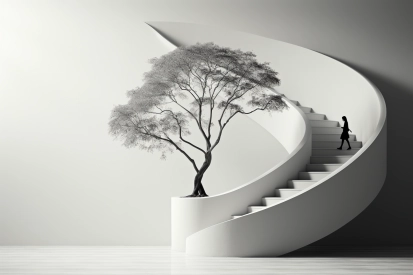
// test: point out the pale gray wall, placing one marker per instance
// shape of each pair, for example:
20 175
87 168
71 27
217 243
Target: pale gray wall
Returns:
63 179
372 36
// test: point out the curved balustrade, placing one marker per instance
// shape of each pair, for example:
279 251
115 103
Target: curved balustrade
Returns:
330 88
190 215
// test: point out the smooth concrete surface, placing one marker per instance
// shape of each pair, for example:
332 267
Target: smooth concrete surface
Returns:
315 88
307 216
162 261
293 130
373 36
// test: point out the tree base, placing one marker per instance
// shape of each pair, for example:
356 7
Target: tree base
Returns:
195 196
190 196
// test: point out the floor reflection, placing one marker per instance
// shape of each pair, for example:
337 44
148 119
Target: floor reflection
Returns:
161 260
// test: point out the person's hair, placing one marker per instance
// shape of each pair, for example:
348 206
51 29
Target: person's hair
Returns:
344 118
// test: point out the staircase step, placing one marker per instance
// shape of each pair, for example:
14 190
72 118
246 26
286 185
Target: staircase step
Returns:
333 152
301 184
331 137
255 208
327 130
314 116
324 123
329 159
286 192
322 167
335 144
268 201
312 175
235 217
306 110
295 102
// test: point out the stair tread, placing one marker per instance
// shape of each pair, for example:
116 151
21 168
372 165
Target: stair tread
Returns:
316 117
290 189
326 156
272 198
332 140
316 172
322 167
348 156
326 127
332 149
308 109
335 144
337 164
320 148
333 134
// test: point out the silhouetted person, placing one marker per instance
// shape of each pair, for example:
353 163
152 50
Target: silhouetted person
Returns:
345 135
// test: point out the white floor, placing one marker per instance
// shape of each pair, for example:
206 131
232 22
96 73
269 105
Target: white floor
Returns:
160 260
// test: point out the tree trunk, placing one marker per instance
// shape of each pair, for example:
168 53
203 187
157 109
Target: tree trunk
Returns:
198 187
200 191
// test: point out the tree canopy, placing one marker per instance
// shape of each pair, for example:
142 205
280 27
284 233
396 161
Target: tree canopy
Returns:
203 85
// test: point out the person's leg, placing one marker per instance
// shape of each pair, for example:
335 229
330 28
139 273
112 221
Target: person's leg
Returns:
342 141
349 147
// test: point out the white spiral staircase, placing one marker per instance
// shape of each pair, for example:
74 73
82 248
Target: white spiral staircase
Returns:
325 158
317 188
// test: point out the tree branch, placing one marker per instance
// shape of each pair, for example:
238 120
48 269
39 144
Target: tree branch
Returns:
174 116
147 132
222 126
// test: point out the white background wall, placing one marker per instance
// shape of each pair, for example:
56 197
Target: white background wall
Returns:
63 180
372 36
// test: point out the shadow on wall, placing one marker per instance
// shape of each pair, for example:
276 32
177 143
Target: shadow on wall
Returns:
388 220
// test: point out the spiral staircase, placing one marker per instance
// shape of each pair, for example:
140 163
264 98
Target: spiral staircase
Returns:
314 191
325 158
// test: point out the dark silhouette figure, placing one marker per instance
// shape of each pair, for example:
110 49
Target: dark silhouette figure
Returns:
345 135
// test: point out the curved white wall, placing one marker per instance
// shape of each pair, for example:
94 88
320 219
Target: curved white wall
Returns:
328 87
313 79
190 215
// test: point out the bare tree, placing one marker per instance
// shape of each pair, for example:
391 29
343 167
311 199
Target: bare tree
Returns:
199 84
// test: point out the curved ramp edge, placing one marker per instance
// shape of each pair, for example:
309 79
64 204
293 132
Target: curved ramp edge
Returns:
317 81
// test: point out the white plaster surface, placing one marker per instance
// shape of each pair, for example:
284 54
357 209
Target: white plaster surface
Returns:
313 80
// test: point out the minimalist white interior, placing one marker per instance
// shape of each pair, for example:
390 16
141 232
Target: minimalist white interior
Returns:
63 179
54 192
332 90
